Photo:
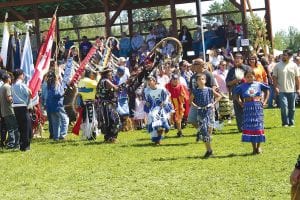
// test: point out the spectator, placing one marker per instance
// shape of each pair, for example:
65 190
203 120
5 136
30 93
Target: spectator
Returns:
260 73
186 40
231 34
136 41
234 78
286 84
151 38
160 30
125 46
84 47
295 181
21 97
68 45
7 112
197 41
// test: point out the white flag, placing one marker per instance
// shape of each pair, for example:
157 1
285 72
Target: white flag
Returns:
27 60
5 40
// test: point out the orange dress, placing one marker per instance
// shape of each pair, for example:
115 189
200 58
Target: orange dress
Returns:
260 74
179 97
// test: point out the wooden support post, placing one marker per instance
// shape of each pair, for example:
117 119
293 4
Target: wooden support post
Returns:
269 22
37 25
198 13
244 19
107 19
174 20
130 22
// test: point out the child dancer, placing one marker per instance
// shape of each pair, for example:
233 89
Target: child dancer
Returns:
178 96
157 107
202 98
249 97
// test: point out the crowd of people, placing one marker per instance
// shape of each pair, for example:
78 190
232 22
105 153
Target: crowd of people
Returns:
204 94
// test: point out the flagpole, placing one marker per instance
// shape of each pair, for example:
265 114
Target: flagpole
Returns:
202 33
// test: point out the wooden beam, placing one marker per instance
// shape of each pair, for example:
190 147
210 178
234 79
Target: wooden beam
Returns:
37 25
236 4
174 19
18 15
269 22
25 2
244 20
107 18
130 22
117 13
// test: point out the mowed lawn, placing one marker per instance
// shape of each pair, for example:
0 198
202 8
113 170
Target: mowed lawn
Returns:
135 169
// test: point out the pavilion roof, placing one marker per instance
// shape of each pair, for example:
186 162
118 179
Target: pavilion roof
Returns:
22 10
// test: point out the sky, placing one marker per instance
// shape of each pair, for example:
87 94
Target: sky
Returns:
283 13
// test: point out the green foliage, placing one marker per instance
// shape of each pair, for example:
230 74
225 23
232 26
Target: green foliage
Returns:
294 38
280 40
217 7
135 169
289 39
257 32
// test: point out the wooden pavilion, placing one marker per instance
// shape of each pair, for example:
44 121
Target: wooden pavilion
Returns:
24 10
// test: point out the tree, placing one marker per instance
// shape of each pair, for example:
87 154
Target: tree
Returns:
281 40
217 7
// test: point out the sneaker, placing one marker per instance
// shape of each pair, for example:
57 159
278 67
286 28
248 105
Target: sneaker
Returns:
285 125
208 154
292 125
179 134
198 137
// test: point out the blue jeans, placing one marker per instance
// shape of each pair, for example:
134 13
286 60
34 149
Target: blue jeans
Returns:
271 97
64 122
56 121
13 138
287 101
239 113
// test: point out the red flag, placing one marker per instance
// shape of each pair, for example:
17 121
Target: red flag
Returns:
43 60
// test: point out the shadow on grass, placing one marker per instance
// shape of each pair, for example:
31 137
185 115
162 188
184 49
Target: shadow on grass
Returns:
3 151
153 145
202 157
89 143
229 131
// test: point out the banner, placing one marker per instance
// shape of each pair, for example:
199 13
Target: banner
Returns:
27 59
5 40
43 61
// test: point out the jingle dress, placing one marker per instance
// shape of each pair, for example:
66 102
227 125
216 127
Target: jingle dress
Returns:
253 117
158 109
205 114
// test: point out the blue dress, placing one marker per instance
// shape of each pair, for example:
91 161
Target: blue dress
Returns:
202 98
158 108
253 117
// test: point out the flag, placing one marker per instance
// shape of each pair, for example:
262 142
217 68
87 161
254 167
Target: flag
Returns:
5 40
43 61
27 59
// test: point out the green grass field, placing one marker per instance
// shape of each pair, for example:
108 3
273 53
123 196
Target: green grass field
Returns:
135 169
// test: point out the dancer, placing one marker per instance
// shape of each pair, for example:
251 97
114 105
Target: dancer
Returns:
157 107
248 95
179 95
202 98
108 117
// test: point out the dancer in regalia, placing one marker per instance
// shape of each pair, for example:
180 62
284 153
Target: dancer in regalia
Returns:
108 117
202 98
87 119
248 95
158 109
179 95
